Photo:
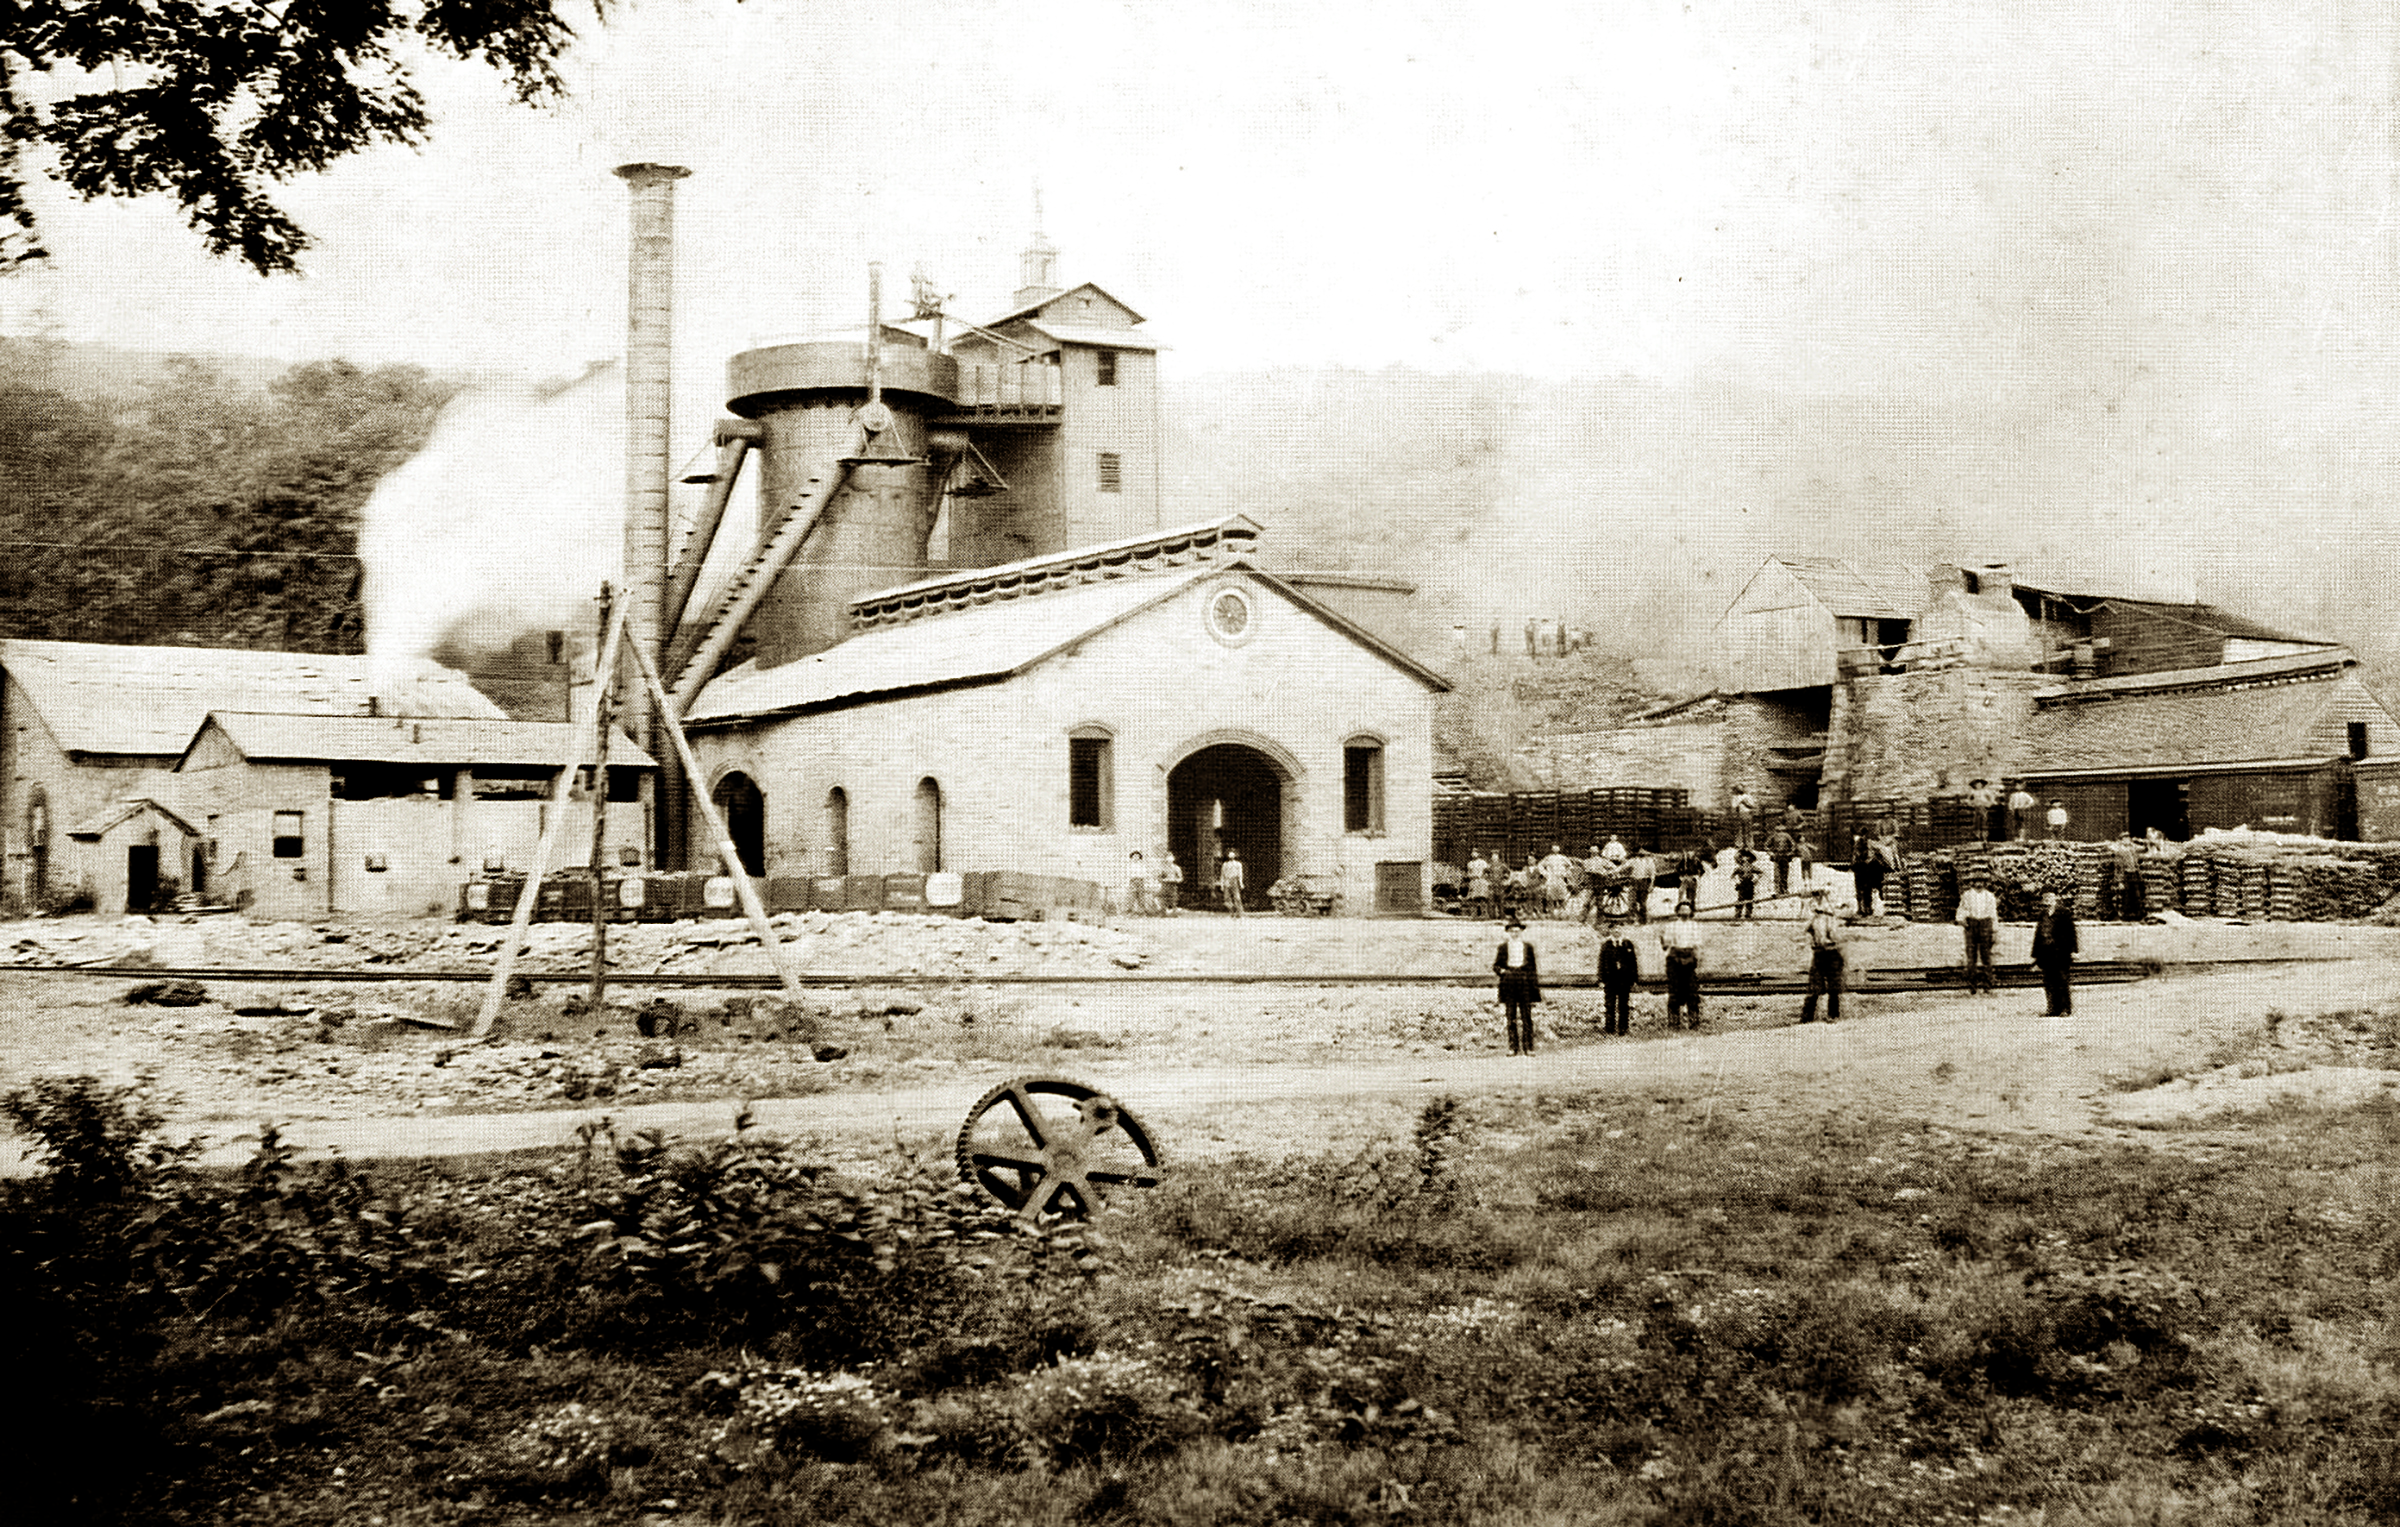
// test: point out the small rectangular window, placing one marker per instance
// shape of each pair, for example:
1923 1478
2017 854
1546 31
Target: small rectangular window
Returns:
1088 781
1112 472
289 841
1362 788
2358 739
1104 368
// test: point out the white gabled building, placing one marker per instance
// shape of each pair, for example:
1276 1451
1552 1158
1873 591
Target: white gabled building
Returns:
1058 714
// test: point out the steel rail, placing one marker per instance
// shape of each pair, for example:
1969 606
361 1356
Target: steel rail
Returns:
1883 980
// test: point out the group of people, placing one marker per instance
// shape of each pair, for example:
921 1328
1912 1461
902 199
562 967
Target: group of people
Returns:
2025 811
1518 966
1160 894
1517 963
1613 882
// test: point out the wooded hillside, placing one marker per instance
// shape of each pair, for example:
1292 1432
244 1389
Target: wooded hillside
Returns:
190 505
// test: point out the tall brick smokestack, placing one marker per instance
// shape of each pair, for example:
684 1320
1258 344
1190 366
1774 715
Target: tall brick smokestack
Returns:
649 374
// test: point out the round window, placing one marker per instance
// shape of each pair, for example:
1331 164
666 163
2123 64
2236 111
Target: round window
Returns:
1230 617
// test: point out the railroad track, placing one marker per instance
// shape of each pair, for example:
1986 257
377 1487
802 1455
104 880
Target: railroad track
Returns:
1884 980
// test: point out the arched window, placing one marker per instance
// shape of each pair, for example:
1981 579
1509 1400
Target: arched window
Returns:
1362 784
744 809
1091 778
837 831
929 826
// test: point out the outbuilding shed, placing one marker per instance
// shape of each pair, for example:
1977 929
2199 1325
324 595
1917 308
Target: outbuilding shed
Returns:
307 815
88 727
2271 743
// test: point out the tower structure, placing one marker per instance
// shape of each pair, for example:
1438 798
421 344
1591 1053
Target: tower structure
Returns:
1060 394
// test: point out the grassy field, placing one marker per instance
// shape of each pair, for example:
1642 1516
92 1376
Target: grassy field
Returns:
1573 1311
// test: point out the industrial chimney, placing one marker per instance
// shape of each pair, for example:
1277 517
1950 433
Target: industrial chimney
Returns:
649 355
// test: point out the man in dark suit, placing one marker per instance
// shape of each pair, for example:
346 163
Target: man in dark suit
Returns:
1620 968
2054 951
1519 970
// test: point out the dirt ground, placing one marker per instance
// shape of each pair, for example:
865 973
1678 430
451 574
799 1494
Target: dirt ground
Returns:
1214 1069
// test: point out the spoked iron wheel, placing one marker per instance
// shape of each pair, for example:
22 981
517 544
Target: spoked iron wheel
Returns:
1045 1145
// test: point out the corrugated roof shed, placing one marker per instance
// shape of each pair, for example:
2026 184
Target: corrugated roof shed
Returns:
430 741
2207 728
1868 590
2208 617
148 701
2325 661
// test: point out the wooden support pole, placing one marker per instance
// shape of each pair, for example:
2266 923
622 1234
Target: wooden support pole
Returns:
605 710
579 741
670 717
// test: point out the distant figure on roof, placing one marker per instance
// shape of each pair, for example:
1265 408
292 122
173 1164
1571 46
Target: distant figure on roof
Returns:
2057 820
1745 817
2021 807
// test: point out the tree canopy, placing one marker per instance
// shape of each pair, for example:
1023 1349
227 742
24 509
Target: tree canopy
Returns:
211 101
199 511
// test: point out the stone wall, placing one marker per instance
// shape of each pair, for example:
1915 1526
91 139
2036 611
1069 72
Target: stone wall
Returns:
1691 752
1926 732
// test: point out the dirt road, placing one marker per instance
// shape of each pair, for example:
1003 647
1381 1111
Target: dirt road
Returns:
1990 1063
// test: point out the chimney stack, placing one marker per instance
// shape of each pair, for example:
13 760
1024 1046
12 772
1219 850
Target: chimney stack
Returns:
649 379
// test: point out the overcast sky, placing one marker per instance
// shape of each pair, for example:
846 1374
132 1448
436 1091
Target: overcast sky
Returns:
2150 245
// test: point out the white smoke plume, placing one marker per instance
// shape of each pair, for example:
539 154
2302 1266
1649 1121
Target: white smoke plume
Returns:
508 520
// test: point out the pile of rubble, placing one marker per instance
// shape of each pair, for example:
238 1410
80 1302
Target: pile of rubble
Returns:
815 943
324 1053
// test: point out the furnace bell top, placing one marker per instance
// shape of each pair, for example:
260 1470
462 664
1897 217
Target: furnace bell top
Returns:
759 381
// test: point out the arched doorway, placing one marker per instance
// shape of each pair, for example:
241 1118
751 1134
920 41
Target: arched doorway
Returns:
929 826
1226 796
739 801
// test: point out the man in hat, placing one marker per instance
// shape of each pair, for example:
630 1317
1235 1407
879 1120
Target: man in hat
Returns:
1620 968
2054 952
1979 919
1232 879
1519 970
1681 941
1825 959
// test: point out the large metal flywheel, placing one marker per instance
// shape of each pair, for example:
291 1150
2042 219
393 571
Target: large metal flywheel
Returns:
1046 1145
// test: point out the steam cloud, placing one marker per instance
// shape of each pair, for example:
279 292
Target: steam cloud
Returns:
507 521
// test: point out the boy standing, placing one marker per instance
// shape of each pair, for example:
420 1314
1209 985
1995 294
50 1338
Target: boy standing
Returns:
1745 886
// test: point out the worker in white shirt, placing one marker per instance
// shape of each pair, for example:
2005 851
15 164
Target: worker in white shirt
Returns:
1681 941
1979 919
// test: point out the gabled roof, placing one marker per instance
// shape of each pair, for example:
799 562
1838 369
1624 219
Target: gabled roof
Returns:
101 826
148 701
1095 335
1086 286
1869 590
430 741
984 644
2204 729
